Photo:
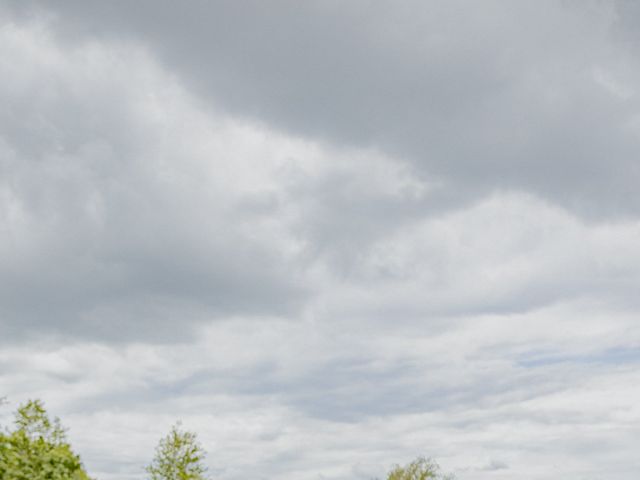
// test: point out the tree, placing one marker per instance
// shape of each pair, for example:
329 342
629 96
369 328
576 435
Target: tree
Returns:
37 449
179 456
420 469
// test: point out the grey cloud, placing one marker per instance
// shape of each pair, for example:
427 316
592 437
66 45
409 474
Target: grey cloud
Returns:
438 87
494 465
342 215
267 218
491 96
352 389
110 229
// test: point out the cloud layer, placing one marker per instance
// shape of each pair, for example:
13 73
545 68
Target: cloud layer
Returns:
540 97
328 236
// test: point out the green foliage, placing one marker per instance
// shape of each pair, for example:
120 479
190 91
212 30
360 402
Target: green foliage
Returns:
32 419
179 456
420 469
37 449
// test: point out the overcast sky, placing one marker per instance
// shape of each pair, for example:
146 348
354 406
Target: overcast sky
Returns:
327 236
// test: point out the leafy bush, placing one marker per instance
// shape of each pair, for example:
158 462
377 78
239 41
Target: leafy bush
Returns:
37 449
420 469
179 456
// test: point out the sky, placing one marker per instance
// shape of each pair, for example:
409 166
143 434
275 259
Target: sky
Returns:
326 236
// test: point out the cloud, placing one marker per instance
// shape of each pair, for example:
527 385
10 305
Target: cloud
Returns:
330 237
289 400
123 204
126 200
485 96
494 465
